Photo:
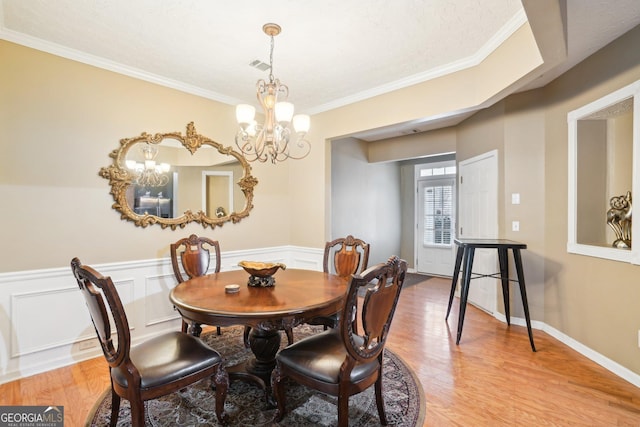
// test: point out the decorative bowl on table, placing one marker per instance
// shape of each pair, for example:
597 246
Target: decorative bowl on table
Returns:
261 273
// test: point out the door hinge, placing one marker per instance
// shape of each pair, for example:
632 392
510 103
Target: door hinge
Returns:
461 231
461 179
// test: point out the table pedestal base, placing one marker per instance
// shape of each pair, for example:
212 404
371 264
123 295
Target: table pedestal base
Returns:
264 344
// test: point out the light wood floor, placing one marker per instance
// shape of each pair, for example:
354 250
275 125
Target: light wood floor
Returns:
491 379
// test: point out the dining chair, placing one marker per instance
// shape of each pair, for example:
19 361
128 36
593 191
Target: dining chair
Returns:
346 360
153 368
343 256
191 257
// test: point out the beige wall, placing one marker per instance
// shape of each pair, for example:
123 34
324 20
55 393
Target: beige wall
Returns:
595 301
59 120
523 163
413 146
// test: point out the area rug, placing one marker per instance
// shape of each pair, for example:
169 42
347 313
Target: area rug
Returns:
415 278
245 403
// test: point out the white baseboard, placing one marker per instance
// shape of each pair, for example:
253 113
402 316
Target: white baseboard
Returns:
589 353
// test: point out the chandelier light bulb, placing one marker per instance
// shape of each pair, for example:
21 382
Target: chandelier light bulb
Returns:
270 99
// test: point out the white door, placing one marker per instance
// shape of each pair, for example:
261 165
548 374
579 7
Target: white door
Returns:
436 226
478 207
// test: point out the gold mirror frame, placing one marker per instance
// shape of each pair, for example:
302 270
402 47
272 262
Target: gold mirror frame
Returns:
120 178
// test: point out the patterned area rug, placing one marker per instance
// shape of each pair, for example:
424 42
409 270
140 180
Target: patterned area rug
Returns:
245 404
415 278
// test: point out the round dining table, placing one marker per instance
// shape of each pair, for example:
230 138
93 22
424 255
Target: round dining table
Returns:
296 297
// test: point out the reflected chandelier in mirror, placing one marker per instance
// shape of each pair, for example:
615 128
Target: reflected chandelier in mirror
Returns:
153 178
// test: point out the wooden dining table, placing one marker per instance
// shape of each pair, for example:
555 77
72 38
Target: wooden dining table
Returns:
296 297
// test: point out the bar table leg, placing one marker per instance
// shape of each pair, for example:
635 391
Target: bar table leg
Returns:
464 294
523 292
454 280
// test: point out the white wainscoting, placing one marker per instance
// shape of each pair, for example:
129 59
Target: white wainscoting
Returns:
44 323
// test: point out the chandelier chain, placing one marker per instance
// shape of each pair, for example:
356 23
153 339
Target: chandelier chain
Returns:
271 78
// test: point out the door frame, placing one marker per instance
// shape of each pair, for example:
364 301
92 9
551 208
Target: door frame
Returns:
416 208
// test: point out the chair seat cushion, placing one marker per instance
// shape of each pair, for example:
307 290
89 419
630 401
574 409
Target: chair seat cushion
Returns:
320 357
168 358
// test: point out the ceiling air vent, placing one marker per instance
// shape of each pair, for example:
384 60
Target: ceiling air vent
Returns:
256 63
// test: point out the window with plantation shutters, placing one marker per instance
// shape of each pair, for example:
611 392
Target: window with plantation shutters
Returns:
438 213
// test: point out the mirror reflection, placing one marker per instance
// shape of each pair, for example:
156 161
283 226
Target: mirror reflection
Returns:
604 169
172 180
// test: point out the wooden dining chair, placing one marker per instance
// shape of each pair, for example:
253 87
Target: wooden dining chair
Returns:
343 256
154 368
346 360
191 257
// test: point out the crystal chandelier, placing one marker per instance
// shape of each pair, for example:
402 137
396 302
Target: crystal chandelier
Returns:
149 174
274 139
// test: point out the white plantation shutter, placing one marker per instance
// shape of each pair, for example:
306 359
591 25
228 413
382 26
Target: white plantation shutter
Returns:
438 212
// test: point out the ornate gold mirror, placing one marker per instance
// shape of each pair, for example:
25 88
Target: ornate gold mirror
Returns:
154 180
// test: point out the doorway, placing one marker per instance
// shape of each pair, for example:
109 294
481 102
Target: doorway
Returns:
435 218
217 193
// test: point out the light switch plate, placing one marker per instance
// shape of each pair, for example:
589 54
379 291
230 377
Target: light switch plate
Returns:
515 226
515 198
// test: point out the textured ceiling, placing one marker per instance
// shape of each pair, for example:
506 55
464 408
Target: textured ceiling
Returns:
328 50
330 53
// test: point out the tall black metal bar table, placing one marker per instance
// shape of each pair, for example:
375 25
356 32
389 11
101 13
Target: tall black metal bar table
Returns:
464 257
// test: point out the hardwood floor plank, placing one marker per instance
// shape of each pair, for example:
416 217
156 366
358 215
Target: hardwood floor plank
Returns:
491 379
